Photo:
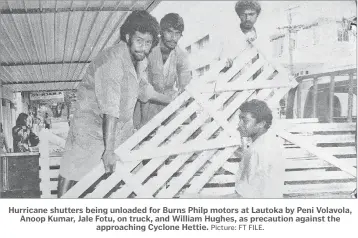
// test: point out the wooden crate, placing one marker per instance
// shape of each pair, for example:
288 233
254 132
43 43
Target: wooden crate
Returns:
190 141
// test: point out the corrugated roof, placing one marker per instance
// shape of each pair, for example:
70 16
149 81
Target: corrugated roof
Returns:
47 45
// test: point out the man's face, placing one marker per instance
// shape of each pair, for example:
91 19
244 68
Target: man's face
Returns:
248 126
248 18
140 45
170 37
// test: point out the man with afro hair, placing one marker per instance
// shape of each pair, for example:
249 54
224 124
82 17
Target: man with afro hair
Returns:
106 97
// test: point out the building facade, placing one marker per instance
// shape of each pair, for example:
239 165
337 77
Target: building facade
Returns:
321 46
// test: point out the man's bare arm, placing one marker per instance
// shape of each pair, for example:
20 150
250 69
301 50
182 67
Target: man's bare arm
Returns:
108 157
162 98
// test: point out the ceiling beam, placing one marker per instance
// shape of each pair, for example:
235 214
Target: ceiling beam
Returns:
75 9
50 90
38 82
44 63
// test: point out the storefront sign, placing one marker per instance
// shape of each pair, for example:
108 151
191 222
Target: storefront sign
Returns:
58 96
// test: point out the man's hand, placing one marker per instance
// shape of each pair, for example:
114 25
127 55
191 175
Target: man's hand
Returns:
229 63
109 160
173 94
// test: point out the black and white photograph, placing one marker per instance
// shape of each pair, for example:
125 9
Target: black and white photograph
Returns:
152 99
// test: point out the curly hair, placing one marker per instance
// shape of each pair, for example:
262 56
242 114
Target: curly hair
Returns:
143 22
173 20
259 110
243 5
21 119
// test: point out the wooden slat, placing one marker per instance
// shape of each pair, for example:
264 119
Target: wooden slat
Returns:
53 173
299 152
332 138
238 64
292 176
308 175
55 161
314 163
321 188
216 191
329 195
44 164
324 127
304 163
239 86
53 186
299 120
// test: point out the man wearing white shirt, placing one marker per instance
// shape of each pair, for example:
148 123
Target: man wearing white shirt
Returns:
261 168
248 12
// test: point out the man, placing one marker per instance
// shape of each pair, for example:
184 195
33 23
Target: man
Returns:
261 169
106 97
47 121
168 67
248 12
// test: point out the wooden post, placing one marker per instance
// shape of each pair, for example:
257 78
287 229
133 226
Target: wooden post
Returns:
299 91
331 98
350 98
44 164
314 99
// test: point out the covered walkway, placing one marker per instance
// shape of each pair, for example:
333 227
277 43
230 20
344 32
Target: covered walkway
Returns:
48 45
